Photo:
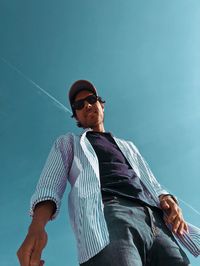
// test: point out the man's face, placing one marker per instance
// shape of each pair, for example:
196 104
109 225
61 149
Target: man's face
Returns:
91 115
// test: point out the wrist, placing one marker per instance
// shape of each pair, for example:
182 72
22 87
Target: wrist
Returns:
43 212
36 225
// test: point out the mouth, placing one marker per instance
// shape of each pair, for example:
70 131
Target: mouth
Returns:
91 113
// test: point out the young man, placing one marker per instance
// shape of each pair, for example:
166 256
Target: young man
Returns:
118 210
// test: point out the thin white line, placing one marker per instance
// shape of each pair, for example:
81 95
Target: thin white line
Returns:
59 104
190 206
184 202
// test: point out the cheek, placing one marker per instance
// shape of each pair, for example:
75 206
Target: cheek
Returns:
78 116
102 114
100 108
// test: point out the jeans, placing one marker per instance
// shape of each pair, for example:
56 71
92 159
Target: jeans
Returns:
138 236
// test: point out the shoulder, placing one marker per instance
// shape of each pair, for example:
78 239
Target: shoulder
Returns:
64 140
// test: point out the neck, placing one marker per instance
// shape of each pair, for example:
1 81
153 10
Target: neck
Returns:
98 128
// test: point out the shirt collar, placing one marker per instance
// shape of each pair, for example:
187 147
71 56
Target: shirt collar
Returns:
85 131
89 129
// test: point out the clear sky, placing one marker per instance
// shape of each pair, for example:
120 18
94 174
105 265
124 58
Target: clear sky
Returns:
143 57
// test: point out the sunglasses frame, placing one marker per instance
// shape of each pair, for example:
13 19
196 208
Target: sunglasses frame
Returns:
82 102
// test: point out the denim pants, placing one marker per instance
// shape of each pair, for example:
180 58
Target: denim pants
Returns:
138 236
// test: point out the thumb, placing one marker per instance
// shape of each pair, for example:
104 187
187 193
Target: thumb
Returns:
164 205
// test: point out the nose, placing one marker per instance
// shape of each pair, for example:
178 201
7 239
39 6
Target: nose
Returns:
87 105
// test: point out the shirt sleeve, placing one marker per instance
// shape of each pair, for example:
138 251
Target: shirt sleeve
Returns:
53 179
148 177
191 240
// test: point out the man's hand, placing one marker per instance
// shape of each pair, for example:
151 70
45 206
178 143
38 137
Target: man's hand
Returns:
174 214
29 254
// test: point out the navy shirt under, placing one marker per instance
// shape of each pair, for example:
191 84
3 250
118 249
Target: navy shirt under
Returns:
117 177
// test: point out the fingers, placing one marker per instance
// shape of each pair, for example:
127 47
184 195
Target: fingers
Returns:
175 218
177 225
29 254
24 257
27 258
24 252
175 212
36 256
186 227
180 227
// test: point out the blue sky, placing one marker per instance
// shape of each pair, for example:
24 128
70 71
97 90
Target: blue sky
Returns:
143 57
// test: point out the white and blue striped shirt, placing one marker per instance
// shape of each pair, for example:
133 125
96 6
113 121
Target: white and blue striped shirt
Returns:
72 157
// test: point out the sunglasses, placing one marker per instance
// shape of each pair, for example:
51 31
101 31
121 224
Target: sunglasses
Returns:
78 105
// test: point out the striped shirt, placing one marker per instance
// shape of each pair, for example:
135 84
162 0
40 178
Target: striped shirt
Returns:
73 158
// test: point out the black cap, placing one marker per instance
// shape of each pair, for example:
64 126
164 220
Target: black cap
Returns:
78 86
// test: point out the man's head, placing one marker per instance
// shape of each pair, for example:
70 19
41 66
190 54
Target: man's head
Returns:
87 106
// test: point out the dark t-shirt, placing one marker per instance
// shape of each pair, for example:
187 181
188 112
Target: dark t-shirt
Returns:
117 177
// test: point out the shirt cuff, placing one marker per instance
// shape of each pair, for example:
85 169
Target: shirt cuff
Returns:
39 197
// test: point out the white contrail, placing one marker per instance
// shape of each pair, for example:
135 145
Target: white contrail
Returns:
58 104
190 206
184 202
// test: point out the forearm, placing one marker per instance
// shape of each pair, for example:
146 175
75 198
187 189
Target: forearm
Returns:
42 213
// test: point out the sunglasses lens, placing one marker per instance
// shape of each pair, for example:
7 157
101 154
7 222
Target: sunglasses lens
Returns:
91 99
78 105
